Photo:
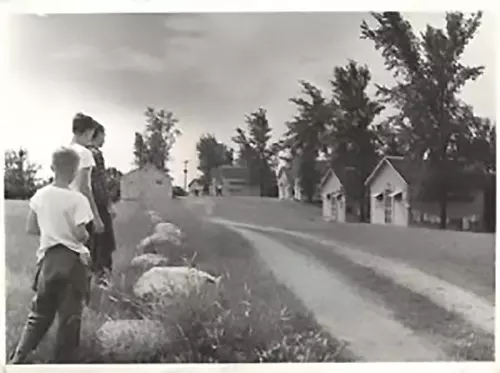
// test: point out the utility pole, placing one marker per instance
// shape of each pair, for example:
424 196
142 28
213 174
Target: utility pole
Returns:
185 175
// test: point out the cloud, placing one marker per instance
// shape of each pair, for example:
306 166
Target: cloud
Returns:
118 59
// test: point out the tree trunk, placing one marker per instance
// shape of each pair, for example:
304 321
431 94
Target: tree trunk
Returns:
443 208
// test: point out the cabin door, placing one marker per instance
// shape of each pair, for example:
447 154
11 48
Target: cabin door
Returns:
334 206
388 207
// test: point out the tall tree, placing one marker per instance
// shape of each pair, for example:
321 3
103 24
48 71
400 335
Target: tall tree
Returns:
154 145
140 151
211 154
352 138
480 144
20 181
429 76
306 135
256 152
391 138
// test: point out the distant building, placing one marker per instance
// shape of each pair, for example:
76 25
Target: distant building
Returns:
146 181
195 187
232 181
298 194
336 188
285 183
392 199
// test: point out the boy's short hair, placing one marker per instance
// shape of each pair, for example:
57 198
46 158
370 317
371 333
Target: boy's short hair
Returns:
65 159
82 123
99 128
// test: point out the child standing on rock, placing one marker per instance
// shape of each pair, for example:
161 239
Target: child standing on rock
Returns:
59 215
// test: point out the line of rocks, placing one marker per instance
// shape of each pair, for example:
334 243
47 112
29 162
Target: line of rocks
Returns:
160 286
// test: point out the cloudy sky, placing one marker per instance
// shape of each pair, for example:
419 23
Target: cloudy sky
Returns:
209 69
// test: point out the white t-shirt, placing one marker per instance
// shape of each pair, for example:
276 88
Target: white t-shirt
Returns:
86 160
58 212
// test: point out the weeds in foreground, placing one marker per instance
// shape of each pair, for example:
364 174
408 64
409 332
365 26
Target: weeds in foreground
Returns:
202 329
245 321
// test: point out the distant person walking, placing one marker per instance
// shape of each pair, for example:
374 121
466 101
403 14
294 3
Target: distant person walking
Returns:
104 243
59 216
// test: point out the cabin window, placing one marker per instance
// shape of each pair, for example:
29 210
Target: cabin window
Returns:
159 182
398 196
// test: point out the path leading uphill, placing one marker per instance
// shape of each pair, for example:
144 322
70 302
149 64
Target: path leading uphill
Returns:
388 305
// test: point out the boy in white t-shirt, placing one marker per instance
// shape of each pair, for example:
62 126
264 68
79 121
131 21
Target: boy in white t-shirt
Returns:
83 131
59 216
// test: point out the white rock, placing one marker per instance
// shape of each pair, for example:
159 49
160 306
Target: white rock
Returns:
127 340
172 282
164 233
156 219
154 216
149 260
168 229
157 239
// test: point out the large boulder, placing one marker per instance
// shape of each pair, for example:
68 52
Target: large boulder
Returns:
149 260
168 229
131 340
166 235
169 284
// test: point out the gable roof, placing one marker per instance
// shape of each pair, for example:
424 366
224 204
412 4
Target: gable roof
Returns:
406 168
231 172
403 166
348 179
147 166
196 180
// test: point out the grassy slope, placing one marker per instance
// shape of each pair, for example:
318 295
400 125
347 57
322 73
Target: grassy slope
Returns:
261 315
462 258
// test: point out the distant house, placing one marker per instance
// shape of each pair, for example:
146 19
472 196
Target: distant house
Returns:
285 183
146 181
392 198
337 199
232 181
195 187
321 167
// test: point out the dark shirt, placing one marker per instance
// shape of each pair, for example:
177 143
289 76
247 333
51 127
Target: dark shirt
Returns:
98 178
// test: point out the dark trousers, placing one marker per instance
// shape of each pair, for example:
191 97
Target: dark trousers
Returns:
62 286
103 244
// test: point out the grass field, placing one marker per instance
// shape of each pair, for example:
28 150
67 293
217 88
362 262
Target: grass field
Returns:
254 319
465 259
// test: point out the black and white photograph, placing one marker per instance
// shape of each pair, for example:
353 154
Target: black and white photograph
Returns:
250 187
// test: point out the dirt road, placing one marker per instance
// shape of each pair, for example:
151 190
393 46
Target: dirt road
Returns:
388 304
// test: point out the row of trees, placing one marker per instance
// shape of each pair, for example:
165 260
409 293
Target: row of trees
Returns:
255 151
453 149
21 180
153 145
20 175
